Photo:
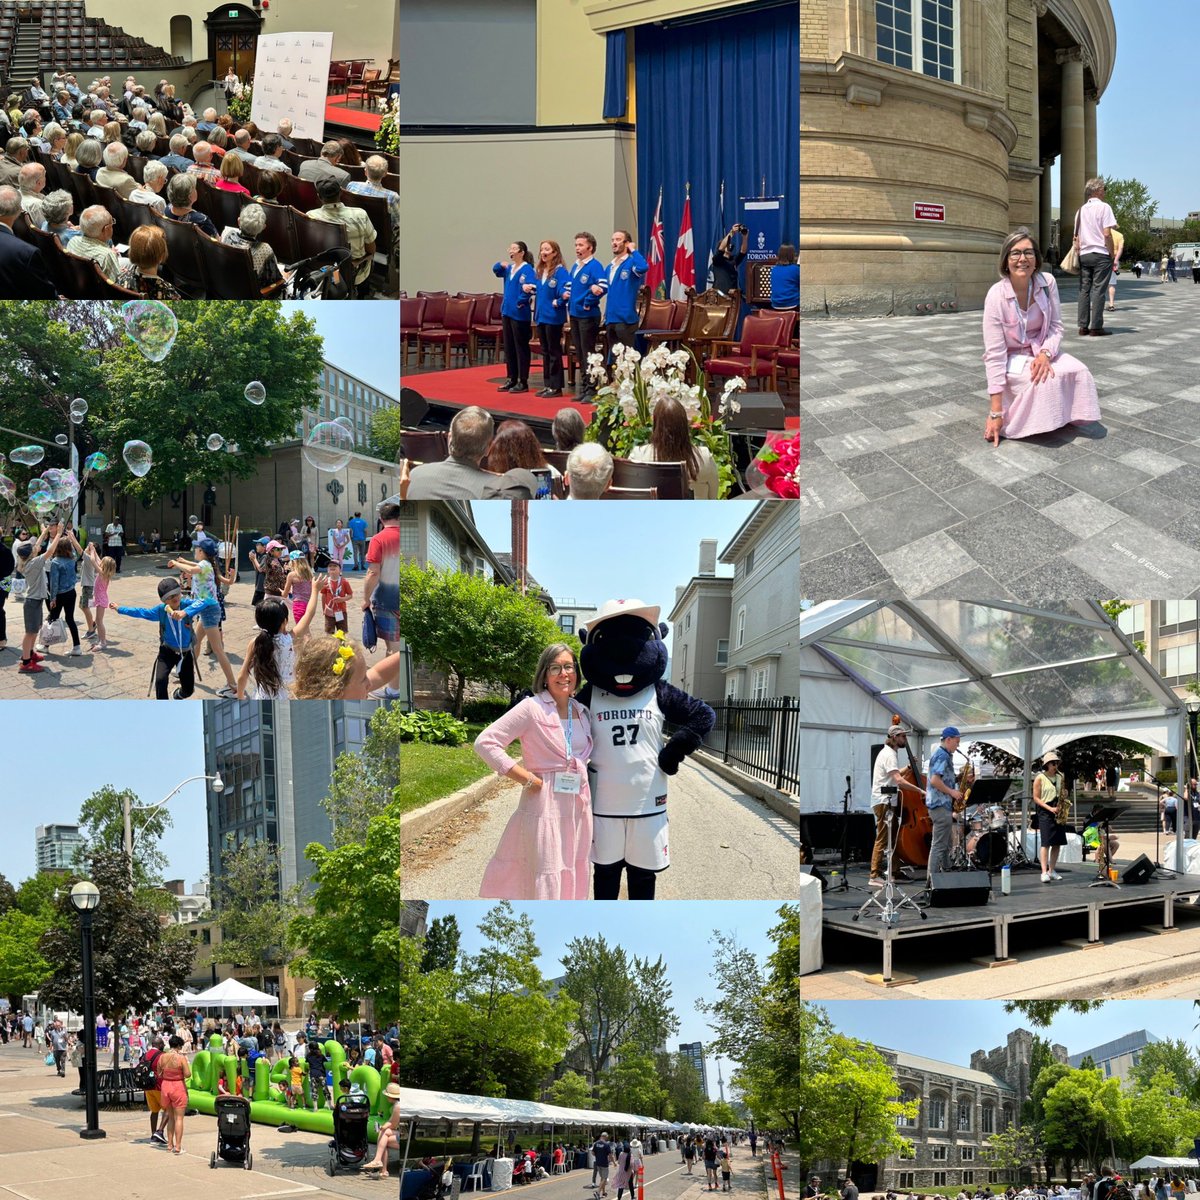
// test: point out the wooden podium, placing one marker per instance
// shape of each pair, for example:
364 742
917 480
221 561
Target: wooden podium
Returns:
758 283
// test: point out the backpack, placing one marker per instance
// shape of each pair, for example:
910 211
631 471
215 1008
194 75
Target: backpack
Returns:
144 1077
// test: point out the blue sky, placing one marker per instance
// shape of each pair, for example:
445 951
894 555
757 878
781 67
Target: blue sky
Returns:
680 932
1145 125
60 753
949 1030
601 551
363 339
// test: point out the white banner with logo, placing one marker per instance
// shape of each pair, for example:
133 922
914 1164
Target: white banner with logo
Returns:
291 72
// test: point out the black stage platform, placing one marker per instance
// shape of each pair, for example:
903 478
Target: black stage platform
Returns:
1029 900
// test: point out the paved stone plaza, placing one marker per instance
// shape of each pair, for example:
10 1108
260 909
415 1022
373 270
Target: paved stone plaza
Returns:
900 493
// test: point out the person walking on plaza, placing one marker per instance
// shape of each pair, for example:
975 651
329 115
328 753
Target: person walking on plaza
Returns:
172 1069
56 1039
1171 268
26 1029
1094 224
358 538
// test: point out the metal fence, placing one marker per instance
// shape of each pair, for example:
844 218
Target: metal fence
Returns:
761 738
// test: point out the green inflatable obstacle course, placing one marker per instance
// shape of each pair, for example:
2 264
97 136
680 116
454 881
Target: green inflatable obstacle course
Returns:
268 1104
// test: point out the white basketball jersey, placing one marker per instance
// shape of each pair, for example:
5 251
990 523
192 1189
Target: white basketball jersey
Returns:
627 734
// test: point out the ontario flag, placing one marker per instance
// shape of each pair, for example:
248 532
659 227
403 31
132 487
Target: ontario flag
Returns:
684 269
656 277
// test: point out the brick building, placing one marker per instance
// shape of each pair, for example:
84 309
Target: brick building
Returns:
928 131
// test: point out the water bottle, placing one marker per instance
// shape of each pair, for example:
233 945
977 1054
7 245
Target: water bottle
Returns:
1005 880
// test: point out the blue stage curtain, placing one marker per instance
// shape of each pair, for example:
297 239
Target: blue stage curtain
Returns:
616 82
718 99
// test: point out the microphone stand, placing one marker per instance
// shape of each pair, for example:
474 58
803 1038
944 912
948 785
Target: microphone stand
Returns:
890 908
1179 803
845 886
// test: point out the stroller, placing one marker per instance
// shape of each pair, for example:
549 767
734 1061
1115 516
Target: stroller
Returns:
325 276
349 1146
233 1131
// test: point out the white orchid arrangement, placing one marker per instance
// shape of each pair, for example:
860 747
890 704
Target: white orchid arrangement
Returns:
387 136
625 405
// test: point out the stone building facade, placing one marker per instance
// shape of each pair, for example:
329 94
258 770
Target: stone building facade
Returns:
928 131
960 1108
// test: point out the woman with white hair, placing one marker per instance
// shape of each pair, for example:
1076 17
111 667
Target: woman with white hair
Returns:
154 179
252 220
56 215
88 156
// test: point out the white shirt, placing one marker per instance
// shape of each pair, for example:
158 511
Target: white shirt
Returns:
627 734
886 762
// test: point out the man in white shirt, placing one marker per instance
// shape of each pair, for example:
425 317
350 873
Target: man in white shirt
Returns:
154 179
886 805
1094 224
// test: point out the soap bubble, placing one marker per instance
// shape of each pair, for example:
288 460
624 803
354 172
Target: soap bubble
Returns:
345 423
61 484
77 418
8 489
27 455
232 447
255 392
193 520
79 406
96 462
139 458
328 447
215 441
61 439
151 326
42 502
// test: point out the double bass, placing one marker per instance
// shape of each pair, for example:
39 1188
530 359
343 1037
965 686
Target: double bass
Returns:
914 834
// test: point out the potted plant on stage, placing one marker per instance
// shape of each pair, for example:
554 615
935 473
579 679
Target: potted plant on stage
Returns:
387 136
239 105
625 406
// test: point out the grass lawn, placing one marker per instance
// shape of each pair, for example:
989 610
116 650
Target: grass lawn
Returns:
428 773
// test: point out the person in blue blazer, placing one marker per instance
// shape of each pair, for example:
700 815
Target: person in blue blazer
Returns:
516 315
585 290
785 278
626 274
550 312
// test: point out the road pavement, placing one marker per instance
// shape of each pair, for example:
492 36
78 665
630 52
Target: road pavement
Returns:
725 845
123 671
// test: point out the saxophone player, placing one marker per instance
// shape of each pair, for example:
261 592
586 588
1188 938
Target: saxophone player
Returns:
941 794
1048 797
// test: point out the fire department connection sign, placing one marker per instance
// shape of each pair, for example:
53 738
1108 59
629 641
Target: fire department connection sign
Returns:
923 211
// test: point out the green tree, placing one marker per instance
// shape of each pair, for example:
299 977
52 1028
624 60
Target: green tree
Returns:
8 896
622 1000
472 629
102 823
23 967
254 915
1176 1058
135 959
366 781
1084 1118
684 1099
384 441
1156 1119
1041 1013
1131 203
351 936
440 952
720 1113
570 1090
631 1084
1013 1151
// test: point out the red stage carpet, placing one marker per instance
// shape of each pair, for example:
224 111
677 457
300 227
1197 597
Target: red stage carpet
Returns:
477 385
338 112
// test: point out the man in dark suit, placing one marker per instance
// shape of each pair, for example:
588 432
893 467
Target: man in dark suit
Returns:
325 167
23 274
460 476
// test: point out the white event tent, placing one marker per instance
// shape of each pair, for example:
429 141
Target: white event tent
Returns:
230 993
1027 680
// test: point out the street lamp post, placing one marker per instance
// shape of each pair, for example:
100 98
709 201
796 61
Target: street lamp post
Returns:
218 786
85 899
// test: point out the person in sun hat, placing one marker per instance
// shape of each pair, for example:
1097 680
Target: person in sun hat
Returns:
1048 790
388 1133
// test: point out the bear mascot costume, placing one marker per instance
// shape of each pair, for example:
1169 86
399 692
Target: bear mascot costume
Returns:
624 659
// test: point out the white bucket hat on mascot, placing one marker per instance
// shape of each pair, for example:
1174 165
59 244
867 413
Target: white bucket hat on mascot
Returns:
621 608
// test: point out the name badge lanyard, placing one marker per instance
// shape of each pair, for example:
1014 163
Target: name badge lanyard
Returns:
570 730
1023 315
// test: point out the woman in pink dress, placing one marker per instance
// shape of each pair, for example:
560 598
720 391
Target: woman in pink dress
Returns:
1033 386
543 852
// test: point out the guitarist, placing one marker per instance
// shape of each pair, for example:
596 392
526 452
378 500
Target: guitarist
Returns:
886 773
1048 797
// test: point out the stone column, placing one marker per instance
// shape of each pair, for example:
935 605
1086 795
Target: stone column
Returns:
1071 165
1045 206
1090 100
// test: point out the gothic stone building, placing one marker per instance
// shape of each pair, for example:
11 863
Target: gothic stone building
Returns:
960 1109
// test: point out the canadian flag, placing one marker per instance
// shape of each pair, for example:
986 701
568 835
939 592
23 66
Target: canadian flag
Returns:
684 270
656 277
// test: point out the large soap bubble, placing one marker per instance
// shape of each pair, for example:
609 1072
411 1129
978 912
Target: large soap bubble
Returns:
42 502
77 418
29 456
231 447
139 458
61 484
328 447
8 489
79 405
96 462
215 441
255 392
151 326
193 520
345 423
61 439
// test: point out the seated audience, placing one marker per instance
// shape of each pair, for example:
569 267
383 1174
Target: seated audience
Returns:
589 471
146 144
516 445
154 180
147 252
55 138
181 196
218 139
232 169
16 155
97 120
56 215
63 108
95 241
358 225
207 121
376 169
112 133
113 174
671 441
158 124
23 274
460 477
252 220
202 166
271 158
350 155
88 157
325 167
270 187
176 159
139 119
32 182
74 141
241 146
568 429
285 133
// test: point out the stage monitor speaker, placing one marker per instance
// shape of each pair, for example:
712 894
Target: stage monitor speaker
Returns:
808 869
957 889
1138 871
759 412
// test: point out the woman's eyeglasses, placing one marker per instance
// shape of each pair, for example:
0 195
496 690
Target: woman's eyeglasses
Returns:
1022 254
561 669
